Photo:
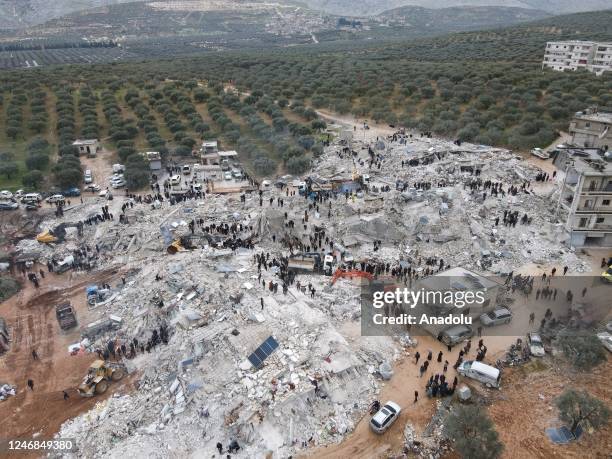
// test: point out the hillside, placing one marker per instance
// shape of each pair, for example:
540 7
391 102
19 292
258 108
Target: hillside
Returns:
373 7
24 13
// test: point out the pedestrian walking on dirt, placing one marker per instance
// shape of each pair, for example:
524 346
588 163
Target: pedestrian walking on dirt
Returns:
429 355
422 370
31 384
440 356
66 396
416 396
34 354
445 366
479 332
417 356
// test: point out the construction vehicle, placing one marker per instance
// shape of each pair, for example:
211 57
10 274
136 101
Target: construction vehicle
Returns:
58 234
65 316
96 294
350 274
99 375
307 261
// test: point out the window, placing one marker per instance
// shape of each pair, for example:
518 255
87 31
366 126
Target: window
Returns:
605 202
583 223
599 220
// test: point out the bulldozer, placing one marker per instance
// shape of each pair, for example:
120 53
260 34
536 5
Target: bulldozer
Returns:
98 376
58 233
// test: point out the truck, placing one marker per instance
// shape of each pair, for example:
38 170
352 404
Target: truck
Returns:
308 261
66 316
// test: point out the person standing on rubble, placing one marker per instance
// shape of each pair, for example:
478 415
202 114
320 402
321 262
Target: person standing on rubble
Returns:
220 447
31 384
417 356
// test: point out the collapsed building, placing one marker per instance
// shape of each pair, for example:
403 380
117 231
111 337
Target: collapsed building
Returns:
283 372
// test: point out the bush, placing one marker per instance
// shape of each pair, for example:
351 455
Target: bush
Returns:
37 161
472 433
32 179
8 287
8 168
136 172
298 165
583 351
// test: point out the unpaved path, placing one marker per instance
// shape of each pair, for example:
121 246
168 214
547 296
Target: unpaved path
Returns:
30 316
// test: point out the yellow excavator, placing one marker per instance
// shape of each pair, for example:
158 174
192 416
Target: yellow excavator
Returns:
98 376
58 233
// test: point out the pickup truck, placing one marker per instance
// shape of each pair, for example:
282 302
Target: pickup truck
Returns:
65 316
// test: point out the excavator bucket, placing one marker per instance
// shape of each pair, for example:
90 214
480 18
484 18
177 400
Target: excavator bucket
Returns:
46 237
175 247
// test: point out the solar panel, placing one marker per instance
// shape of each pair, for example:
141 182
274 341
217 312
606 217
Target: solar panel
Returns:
263 352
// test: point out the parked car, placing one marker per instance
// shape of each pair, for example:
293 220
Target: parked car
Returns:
197 187
118 183
6 194
385 417
456 334
118 168
31 197
237 173
227 175
55 198
175 180
486 374
8 205
31 206
186 169
498 316
74 191
18 194
92 188
88 178
536 347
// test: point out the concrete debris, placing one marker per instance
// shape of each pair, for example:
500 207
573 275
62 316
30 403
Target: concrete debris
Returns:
406 200
6 390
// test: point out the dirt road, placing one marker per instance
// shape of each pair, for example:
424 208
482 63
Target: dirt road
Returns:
32 325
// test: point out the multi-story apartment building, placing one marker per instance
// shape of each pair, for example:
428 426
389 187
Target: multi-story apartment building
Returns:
586 194
573 55
592 129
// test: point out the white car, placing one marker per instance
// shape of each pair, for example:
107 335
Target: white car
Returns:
536 347
186 169
6 194
93 188
175 180
498 316
385 417
227 175
606 340
88 178
118 183
55 198
18 194
197 187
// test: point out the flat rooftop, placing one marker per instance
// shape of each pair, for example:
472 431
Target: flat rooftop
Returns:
599 117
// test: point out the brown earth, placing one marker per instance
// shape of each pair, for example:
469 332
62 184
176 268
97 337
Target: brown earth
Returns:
30 315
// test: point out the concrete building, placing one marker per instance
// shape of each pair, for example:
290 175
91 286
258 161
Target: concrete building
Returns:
573 55
586 194
87 147
591 129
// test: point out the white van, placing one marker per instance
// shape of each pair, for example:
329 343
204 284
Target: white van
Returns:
486 374
186 169
175 180
88 178
31 197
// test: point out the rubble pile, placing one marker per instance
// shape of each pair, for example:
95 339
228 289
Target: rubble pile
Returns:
201 387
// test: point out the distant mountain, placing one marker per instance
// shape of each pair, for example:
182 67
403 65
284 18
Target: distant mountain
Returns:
374 7
464 18
23 13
